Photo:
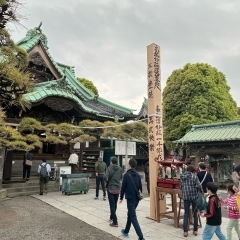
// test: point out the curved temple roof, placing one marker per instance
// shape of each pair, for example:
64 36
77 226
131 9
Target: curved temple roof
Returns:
67 86
215 132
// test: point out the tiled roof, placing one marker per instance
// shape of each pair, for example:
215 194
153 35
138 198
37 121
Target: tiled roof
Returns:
215 132
68 86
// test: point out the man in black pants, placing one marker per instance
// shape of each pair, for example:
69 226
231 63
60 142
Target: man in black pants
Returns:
100 168
113 177
131 180
27 164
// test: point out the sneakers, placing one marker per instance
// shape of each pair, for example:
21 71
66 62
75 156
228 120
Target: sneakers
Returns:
104 198
113 225
123 233
96 198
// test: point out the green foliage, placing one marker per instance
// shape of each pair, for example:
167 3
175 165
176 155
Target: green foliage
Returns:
34 140
14 80
89 85
136 130
65 133
9 12
30 125
11 138
195 94
93 131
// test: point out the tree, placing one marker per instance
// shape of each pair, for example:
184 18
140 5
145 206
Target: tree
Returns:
196 94
9 12
14 80
89 85
65 133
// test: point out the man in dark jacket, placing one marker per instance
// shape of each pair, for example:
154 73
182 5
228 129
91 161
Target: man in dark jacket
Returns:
113 177
131 178
100 169
27 165
213 215
190 186
204 176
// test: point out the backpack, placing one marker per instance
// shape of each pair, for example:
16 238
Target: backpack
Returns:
43 171
201 202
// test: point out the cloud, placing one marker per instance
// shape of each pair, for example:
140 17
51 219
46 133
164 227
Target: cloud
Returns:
106 40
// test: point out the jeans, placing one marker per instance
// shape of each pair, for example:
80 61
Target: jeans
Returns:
233 223
210 230
100 179
187 204
26 171
113 199
132 217
43 181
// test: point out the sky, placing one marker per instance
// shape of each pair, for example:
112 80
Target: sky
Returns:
106 40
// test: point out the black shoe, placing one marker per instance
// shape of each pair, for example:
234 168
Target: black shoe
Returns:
27 179
40 193
113 225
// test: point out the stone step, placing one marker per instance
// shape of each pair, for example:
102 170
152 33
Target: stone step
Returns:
51 188
17 194
26 184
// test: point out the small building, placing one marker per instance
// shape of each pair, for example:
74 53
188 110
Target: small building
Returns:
217 144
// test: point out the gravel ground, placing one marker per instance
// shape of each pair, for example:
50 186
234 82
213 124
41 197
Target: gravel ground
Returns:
30 219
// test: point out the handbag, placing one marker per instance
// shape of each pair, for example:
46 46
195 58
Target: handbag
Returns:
110 179
28 162
139 194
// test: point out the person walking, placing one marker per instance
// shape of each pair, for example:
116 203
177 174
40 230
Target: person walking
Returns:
204 176
233 212
73 162
131 183
113 177
213 215
100 169
190 186
27 165
146 171
44 170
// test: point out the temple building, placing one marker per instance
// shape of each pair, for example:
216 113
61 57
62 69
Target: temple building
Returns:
59 97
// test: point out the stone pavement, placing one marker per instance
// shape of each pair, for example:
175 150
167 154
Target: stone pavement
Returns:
96 213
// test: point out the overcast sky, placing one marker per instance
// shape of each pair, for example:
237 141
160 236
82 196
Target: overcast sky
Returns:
106 39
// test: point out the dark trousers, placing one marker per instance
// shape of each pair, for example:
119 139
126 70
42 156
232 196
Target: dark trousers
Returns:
148 188
187 204
100 179
26 171
113 199
132 217
43 181
74 168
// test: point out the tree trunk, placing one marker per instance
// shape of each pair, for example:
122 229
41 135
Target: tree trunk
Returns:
2 159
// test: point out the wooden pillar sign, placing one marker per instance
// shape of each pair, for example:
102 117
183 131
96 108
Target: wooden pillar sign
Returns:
155 128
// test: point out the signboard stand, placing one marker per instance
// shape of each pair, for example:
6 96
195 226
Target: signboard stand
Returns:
125 148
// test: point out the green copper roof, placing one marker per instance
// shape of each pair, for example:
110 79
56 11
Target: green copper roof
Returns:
68 86
215 132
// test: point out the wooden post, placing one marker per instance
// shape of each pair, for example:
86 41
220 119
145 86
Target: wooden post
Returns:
155 129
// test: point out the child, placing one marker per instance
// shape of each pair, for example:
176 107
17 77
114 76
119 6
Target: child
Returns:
233 212
213 215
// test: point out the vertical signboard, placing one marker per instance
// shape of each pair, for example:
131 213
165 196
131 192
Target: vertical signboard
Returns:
155 128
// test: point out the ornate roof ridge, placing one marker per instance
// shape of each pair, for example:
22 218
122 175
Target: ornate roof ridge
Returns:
115 105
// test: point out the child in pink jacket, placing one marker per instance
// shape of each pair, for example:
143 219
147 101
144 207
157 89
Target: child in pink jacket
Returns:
233 212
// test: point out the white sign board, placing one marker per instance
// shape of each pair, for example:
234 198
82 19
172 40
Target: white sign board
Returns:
120 148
